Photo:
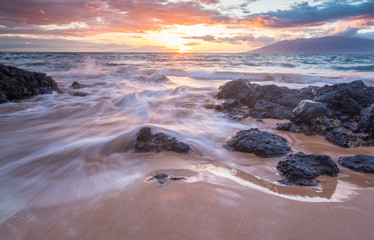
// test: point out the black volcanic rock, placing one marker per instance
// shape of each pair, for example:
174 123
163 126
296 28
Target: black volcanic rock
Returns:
267 109
360 163
261 143
345 98
16 84
77 85
161 178
367 120
307 110
301 169
269 101
159 142
339 138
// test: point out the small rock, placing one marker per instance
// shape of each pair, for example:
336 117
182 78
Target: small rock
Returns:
77 85
301 169
159 142
229 103
360 163
161 178
237 115
284 126
261 143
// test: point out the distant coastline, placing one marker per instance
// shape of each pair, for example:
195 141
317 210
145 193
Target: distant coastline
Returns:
325 45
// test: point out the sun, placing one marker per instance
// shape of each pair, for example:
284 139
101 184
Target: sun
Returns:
181 49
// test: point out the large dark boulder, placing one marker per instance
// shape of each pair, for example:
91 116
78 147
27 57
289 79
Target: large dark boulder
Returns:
159 142
303 170
264 100
345 98
261 143
16 84
360 163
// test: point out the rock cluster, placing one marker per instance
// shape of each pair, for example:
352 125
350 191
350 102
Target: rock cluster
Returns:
269 101
17 84
338 111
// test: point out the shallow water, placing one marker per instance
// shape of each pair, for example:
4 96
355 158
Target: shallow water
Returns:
60 150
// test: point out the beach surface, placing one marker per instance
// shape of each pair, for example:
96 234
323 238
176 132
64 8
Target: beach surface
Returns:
66 171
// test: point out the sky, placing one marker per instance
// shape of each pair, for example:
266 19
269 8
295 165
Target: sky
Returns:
175 25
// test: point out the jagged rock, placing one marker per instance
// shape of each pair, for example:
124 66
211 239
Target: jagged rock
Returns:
345 98
237 115
301 169
366 123
360 163
229 103
159 142
77 85
261 143
16 84
339 138
307 110
266 109
264 101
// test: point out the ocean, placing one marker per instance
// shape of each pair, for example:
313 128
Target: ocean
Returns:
64 164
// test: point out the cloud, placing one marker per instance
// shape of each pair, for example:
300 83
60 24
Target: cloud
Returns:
303 14
46 44
210 1
26 16
208 38
235 39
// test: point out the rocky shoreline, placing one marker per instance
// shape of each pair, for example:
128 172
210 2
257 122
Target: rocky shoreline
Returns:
343 113
17 84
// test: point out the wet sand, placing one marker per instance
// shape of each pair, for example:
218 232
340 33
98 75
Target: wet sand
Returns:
239 199
198 210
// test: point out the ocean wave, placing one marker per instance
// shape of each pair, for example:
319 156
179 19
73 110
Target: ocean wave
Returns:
363 68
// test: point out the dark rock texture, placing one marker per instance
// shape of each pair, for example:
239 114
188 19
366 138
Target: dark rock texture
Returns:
267 109
162 178
16 84
268 101
345 98
261 143
337 111
360 163
301 169
339 138
307 110
366 123
77 85
159 142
